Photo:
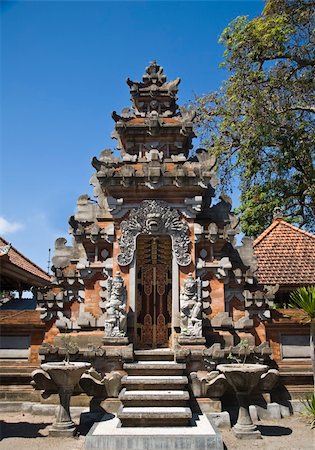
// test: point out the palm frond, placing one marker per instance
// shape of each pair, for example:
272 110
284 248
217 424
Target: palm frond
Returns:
304 298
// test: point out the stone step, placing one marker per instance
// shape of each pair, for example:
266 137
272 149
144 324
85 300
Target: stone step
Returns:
154 368
159 382
160 354
154 397
154 415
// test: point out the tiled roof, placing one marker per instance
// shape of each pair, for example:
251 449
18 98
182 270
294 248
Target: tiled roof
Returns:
19 260
285 255
20 318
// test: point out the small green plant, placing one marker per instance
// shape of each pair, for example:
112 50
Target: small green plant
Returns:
309 405
69 344
243 345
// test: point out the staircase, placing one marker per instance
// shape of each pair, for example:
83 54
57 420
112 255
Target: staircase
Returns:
155 391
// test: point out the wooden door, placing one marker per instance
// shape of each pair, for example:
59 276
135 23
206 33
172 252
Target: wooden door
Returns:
154 293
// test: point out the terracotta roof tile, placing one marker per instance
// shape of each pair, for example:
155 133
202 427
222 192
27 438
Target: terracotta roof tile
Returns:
285 255
18 259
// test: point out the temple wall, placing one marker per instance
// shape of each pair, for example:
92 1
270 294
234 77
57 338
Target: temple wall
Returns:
216 295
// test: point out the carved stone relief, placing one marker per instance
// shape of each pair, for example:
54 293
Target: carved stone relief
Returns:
154 217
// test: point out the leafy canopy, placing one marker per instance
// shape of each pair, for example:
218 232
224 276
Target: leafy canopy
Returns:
260 125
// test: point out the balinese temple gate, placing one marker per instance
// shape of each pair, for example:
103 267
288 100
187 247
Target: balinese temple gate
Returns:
153 263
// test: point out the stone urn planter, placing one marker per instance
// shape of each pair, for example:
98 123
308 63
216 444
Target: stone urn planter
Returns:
244 378
66 376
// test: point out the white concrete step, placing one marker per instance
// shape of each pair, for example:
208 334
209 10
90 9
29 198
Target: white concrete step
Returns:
154 365
156 412
149 395
157 354
154 380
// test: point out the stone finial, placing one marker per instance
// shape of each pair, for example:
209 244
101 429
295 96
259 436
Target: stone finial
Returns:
154 73
277 213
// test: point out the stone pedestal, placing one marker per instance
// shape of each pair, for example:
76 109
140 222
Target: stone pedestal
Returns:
244 378
64 425
244 428
65 376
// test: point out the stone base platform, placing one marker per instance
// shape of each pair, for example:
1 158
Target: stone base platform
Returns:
108 435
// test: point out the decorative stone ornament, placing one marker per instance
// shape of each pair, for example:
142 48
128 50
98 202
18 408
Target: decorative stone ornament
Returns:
61 378
115 307
244 378
154 217
191 308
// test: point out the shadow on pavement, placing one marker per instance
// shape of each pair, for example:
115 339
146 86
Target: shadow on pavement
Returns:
272 430
21 429
88 419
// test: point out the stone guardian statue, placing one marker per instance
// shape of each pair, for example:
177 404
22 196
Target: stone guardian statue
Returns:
191 308
115 307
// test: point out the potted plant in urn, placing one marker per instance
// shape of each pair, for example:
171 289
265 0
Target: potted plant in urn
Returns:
243 378
62 377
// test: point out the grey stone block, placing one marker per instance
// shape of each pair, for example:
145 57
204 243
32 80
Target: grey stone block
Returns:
297 406
220 419
39 409
10 406
285 410
27 406
274 410
271 412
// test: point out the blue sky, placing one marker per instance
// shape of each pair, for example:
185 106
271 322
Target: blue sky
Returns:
63 71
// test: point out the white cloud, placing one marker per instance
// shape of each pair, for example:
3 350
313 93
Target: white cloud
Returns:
7 227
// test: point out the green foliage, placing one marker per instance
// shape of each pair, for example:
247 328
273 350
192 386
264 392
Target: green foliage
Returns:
260 123
309 405
304 298
69 344
242 348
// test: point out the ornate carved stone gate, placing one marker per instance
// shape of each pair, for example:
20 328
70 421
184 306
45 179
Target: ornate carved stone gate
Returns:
154 242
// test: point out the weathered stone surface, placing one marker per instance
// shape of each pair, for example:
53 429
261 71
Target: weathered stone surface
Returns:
271 412
220 419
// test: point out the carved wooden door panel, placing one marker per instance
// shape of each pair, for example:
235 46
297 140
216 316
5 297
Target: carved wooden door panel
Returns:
154 262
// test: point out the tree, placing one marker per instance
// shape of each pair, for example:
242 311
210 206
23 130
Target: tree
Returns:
260 124
304 298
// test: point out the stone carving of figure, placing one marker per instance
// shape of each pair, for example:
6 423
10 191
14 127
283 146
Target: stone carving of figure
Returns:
191 308
115 307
